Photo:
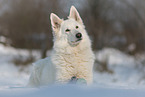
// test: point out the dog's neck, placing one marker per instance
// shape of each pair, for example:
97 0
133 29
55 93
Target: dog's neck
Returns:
65 48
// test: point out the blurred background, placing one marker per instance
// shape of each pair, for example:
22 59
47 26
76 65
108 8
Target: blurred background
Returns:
116 27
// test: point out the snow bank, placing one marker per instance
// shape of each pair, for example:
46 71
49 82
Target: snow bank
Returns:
73 91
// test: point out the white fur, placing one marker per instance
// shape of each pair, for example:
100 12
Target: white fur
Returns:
68 58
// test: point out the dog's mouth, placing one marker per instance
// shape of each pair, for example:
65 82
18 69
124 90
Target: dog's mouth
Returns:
76 42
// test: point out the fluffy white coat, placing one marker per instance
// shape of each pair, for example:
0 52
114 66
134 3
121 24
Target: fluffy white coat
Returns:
69 57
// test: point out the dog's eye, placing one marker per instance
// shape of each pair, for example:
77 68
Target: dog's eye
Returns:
67 30
77 27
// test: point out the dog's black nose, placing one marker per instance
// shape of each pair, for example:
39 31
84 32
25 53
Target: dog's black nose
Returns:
78 35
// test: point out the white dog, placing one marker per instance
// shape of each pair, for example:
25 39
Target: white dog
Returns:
72 54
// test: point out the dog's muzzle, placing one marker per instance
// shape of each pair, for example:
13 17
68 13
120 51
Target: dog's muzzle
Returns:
78 35
78 38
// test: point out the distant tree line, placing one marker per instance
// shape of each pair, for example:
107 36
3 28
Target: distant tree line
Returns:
110 23
117 23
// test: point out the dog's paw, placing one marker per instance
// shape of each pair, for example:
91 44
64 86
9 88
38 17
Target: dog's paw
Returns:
79 81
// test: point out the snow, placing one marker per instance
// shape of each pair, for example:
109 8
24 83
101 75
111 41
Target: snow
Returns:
12 75
127 79
127 70
72 91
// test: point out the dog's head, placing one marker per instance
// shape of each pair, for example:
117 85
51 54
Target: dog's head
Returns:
70 30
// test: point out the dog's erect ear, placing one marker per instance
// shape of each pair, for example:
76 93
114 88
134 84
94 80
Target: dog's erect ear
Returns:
55 21
75 15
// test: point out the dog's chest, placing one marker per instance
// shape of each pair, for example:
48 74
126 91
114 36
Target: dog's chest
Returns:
72 62
75 59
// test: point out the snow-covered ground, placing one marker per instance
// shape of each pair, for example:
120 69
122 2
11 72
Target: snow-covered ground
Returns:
126 79
128 71
10 74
